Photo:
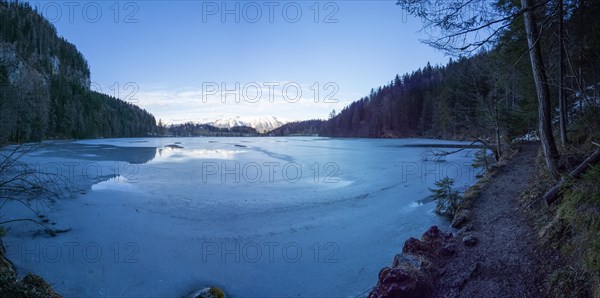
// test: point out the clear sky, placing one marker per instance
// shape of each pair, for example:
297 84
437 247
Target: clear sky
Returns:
175 58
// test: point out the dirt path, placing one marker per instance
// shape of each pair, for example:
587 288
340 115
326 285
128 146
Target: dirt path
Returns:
502 264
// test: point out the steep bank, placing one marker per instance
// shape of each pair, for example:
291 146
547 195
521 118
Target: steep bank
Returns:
45 86
494 254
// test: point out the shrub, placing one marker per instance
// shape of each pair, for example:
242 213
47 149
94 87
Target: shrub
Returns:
447 199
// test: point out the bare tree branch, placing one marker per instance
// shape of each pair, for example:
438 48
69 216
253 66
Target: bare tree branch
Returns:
19 183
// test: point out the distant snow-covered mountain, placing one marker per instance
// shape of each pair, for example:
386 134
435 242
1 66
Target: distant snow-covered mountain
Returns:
261 124
228 122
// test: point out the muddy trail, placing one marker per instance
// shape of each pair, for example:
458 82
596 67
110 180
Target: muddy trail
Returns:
503 261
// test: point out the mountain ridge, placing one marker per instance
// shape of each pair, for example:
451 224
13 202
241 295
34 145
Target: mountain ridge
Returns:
261 124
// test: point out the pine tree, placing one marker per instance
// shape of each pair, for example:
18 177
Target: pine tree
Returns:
447 199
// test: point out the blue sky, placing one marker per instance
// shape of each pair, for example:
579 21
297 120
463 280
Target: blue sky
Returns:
175 58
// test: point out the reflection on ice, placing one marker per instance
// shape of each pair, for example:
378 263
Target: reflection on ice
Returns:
196 207
172 154
118 183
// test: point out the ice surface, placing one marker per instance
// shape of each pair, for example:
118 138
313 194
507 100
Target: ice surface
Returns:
259 217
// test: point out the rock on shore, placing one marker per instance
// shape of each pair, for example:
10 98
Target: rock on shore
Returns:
412 271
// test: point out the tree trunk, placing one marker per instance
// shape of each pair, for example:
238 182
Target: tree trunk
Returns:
542 90
498 135
561 89
555 192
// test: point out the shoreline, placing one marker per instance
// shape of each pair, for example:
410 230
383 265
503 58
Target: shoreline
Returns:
379 188
429 266
29 286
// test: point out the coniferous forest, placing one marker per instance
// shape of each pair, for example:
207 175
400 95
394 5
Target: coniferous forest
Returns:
488 92
523 83
45 86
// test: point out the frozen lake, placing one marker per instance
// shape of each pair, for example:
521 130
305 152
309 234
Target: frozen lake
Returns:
258 217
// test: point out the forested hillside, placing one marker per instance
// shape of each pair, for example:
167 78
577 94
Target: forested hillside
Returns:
191 129
44 86
489 92
300 128
461 99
